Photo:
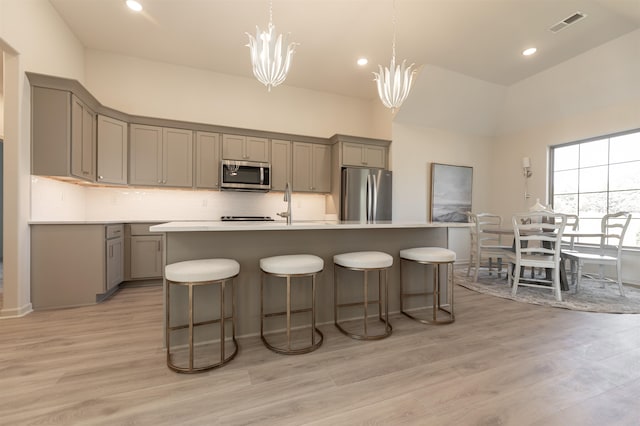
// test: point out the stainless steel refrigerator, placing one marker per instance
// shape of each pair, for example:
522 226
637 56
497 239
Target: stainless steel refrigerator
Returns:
366 195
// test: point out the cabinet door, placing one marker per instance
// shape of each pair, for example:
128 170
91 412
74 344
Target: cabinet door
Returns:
177 157
50 132
321 165
257 149
233 147
83 140
352 154
145 155
112 150
207 160
146 256
356 154
280 164
302 170
375 156
115 262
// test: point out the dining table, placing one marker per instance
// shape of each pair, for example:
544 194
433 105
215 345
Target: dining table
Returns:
570 233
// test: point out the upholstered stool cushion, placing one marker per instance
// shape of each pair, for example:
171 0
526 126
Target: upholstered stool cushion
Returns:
292 264
202 270
429 254
363 259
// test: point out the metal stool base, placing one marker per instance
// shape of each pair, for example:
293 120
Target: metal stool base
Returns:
224 358
365 336
436 307
315 332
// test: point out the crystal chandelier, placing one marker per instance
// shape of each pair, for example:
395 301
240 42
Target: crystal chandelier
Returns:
394 83
269 58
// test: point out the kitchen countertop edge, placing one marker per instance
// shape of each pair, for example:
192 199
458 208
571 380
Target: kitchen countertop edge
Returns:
198 226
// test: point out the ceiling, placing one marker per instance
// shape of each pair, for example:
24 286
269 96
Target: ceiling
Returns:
479 38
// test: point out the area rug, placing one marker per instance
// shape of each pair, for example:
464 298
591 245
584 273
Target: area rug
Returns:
591 297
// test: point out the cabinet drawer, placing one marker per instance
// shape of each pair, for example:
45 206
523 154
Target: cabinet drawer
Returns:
142 229
114 231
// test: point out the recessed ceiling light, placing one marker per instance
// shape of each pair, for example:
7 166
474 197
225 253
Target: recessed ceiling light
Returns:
530 51
134 5
363 61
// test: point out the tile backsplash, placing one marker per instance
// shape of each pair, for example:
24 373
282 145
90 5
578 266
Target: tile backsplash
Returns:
52 200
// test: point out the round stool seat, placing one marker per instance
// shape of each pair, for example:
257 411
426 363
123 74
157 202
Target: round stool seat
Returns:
202 270
429 254
292 264
364 260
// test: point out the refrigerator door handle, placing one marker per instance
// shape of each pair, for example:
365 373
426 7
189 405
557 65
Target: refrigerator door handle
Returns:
369 198
374 198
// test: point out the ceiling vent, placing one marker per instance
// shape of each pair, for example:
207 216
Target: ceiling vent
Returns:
567 21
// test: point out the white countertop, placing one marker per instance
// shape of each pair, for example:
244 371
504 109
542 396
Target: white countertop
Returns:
191 226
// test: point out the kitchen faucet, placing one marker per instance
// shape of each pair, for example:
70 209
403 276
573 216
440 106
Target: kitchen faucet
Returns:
287 198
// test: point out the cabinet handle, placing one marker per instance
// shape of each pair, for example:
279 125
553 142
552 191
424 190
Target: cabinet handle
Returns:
160 181
159 245
100 177
110 251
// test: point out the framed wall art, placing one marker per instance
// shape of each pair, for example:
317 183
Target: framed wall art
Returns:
451 188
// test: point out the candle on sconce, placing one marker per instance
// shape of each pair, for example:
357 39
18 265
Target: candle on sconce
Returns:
526 162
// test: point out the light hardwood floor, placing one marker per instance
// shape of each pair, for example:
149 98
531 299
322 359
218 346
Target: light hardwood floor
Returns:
500 363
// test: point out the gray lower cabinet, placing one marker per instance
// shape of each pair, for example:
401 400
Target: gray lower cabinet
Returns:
145 252
160 156
114 255
311 167
281 164
207 160
63 135
75 264
113 143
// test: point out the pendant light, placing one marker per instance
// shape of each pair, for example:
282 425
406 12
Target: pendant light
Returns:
394 82
269 57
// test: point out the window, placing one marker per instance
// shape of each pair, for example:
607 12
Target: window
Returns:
598 176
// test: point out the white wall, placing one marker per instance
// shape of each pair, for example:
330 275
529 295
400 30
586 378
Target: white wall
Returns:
1 112
34 38
596 93
156 89
593 94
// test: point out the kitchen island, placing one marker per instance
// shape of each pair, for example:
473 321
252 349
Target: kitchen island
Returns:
248 242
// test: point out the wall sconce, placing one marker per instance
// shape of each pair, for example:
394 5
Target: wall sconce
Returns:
526 172
526 167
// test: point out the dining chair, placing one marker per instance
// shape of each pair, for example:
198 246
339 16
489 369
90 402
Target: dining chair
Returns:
485 247
538 238
613 228
568 243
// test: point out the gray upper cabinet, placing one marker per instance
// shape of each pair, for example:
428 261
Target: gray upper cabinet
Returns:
311 167
63 135
207 160
363 155
112 150
281 164
83 140
160 156
245 148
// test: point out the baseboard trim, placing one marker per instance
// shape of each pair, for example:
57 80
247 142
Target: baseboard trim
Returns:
16 312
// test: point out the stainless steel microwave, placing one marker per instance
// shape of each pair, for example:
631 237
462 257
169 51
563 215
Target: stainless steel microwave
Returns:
245 175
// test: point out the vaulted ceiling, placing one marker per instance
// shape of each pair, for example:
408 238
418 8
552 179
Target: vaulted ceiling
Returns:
479 38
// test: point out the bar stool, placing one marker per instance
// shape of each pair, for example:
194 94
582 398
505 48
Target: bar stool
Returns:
364 261
199 273
435 256
291 266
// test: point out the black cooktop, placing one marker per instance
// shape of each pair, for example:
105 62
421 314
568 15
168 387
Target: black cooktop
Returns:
246 219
